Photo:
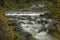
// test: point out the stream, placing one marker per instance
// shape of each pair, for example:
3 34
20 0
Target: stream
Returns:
32 22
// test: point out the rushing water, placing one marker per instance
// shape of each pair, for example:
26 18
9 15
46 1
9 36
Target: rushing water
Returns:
33 23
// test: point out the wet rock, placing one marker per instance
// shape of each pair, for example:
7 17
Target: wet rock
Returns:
27 35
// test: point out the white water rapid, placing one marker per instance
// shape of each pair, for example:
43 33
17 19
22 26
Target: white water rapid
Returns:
32 23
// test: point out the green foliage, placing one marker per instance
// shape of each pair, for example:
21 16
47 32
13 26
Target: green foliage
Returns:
16 36
50 6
